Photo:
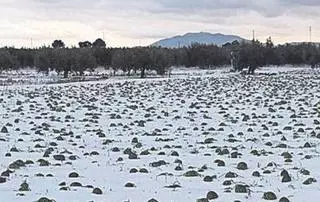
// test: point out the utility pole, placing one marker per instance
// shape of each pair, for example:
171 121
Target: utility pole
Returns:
310 34
253 35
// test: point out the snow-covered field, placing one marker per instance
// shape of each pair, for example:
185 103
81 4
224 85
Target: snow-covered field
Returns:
165 139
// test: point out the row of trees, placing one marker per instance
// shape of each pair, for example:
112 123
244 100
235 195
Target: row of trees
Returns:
256 54
89 56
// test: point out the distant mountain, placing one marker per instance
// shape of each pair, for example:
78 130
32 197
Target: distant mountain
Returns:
202 38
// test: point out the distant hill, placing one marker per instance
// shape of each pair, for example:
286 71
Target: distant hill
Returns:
202 38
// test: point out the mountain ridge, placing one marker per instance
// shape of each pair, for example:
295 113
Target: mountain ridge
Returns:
197 37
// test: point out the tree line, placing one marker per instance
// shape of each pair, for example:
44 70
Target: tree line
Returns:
88 56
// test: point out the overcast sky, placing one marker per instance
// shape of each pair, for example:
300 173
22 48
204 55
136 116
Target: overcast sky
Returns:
141 22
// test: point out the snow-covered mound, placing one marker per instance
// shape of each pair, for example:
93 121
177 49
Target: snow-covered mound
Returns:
194 137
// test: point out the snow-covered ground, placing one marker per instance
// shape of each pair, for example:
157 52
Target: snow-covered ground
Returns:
189 132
